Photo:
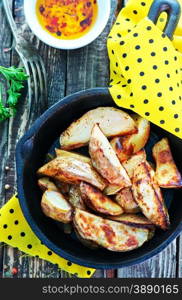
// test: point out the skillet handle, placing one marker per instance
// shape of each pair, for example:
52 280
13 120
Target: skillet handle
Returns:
173 10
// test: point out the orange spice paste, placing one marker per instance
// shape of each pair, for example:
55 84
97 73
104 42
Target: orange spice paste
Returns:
67 19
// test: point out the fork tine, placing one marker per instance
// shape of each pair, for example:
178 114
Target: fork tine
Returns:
41 63
42 80
27 69
35 80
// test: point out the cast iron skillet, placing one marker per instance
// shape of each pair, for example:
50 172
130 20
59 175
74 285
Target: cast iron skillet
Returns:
30 155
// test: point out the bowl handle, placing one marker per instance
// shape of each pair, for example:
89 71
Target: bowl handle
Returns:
173 10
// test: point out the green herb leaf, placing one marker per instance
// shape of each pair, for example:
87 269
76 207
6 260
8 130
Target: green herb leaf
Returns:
15 78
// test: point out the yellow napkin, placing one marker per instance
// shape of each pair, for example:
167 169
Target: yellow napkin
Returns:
145 67
15 231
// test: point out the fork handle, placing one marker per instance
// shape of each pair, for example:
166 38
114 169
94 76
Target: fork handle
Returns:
10 18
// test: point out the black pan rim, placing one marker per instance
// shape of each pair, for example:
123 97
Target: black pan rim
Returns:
22 200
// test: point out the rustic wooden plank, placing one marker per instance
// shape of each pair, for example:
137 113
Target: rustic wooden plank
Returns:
161 266
5 43
55 64
179 263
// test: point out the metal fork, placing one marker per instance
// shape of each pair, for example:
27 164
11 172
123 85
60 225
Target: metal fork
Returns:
31 60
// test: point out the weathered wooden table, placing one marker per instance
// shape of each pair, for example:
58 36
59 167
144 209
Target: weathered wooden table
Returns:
68 72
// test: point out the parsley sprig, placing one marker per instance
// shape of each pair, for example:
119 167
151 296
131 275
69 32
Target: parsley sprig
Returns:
15 78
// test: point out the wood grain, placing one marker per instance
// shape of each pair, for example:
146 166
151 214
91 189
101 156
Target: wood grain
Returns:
179 259
5 56
162 265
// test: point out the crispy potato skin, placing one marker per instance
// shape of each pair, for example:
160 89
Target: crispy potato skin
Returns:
98 201
105 160
167 174
112 121
46 184
72 170
75 198
51 208
132 163
111 235
128 145
126 200
148 195
138 221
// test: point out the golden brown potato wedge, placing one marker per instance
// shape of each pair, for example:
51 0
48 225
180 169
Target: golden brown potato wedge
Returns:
98 201
112 189
131 164
109 234
112 121
89 244
46 184
55 206
148 195
105 160
72 170
138 221
128 145
167 174
63 153
75 198
126 200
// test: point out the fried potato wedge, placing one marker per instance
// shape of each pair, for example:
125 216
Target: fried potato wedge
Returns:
126 200
89 244
131 164
112 121
55 206
124 147
46 184
109 234
138 221
167 173
72 170
98 201
75 198
105 160
63 153
112 189
148 195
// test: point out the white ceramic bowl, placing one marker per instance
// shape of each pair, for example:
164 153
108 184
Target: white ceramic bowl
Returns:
95 31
